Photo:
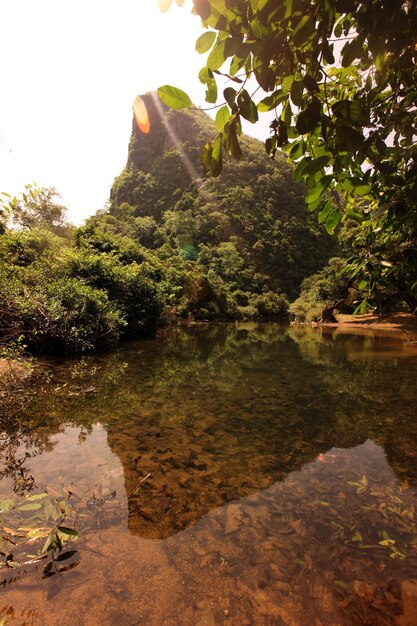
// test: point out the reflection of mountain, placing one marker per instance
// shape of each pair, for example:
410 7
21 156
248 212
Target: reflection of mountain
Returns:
237 423
215 414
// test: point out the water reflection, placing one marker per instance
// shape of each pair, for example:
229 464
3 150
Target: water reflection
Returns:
264 475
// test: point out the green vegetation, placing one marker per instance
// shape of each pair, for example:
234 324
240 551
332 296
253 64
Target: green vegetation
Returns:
34 531
171 245
341 78
323 294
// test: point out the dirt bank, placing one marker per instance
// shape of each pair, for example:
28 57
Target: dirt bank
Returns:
402 322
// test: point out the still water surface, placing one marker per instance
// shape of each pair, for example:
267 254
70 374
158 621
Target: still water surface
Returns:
236 475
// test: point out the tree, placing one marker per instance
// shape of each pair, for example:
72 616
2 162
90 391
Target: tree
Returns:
36 207
341 77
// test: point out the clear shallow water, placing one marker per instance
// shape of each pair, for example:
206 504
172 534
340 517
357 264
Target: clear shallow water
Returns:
262 476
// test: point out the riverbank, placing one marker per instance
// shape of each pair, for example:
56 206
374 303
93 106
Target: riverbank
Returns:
400 322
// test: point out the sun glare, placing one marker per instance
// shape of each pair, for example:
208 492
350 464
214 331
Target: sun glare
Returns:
141 115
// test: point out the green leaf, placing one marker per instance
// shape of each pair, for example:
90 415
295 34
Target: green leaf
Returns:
317 190
247 107
304 31
206 156
361 308
328 52
309 118
219 5
310 83
351 111
286 115
230 95
327 207
356 185
211 91
66 555
216 156
272 101
71 532
222 116
6 505
205 41
270 11
348 139
173 97
217 57
234 147
36 496
206 77
236 65
332 221
315 165
351 51
297 93
32 506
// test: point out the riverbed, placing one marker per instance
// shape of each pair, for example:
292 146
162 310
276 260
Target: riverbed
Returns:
243 474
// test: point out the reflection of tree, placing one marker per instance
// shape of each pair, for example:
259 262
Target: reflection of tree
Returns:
373 390
215 413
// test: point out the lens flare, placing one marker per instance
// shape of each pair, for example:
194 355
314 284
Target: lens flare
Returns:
141 115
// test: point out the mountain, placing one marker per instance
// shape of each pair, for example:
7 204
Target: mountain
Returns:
244 241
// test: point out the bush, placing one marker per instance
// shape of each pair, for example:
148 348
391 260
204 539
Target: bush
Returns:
322 293
132 288
270 304
63 315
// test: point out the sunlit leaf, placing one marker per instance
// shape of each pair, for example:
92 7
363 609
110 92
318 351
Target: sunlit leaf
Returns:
272 101
36 496
31 506
205 41
222 116
6 505
216 58
174 98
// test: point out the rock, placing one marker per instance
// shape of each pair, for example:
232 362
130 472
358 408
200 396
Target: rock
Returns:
205 617
233 518
364 590
409 597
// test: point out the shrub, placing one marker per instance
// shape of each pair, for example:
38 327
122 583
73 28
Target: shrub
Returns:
327 290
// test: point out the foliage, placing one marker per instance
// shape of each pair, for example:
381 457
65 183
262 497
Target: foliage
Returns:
62 314
322 293
63 294
35 207
33 530
211 239
341 78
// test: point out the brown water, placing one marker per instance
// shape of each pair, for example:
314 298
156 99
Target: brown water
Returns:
225 475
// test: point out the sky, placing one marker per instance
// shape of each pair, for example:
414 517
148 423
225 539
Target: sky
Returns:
70 72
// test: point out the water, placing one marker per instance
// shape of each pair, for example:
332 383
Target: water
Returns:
223 475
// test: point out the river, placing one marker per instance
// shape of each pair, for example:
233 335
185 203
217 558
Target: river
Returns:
219 475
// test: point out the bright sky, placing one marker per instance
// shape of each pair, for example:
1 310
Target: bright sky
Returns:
70 72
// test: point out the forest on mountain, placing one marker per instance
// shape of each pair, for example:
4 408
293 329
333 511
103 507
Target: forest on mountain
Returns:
173 244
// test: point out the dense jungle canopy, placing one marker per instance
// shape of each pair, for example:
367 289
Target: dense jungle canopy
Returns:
341 77
172 244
